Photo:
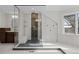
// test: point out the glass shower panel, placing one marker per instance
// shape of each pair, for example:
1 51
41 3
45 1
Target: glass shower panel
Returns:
15 23
49 30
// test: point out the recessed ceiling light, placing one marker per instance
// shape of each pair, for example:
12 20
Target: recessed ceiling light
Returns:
14 16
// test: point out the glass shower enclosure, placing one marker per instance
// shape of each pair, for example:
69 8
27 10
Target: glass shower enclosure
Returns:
36 30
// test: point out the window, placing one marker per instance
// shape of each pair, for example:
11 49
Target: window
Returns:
69 23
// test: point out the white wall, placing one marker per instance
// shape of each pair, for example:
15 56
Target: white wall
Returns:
68 39
72 39
47 25
5 20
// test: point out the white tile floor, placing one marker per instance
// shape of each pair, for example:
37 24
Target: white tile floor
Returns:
7 49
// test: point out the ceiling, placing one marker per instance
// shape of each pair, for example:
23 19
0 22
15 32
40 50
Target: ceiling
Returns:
47 8
60 7
10 8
